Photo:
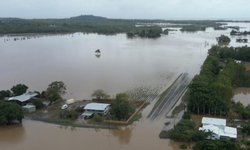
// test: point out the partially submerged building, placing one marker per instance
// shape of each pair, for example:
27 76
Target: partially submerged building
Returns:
99 108
218 128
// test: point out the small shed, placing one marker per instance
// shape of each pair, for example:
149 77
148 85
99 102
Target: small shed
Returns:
29 108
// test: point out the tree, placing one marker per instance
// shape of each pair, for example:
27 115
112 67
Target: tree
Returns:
223 39
10 112
4 93
19 89
55 91
186 115
59 86
97 118
100 94
38 103
52 94
121 107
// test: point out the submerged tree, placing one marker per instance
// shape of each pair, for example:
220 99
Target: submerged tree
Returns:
223 39
100 94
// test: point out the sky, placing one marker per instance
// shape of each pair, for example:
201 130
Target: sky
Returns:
127 9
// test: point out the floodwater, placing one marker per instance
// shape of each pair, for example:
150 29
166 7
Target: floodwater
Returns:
242 95
140 66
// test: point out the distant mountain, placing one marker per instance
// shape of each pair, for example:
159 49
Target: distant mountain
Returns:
88 17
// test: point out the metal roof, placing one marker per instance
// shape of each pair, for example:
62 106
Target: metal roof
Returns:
214 121
87 113
229 132
24 97
211 128
96 106
29 106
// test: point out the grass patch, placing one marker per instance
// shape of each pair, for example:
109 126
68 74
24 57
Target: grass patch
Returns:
135 118
178 109
162 96
58 120
186 95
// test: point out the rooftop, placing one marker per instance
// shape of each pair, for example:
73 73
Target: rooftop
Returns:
96 106
29 106
214 121
24 97
211 128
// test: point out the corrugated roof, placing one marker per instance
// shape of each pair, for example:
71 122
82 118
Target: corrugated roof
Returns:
96 106
24 97
214 121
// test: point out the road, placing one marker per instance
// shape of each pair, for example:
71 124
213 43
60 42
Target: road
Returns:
172 97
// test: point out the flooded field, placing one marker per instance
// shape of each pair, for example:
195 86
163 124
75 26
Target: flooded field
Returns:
139 66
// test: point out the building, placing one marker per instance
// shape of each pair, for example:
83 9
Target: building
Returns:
99 108
218 128
24 98
29 108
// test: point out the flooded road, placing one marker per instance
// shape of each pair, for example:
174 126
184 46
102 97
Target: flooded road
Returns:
142 67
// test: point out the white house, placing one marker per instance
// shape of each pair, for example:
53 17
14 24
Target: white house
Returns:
219 128
99 108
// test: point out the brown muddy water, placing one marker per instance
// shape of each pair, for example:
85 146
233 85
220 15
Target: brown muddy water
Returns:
242 95
142 67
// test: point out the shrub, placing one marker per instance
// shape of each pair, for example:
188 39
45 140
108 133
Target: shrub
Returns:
68 114
73 115
186 115
183 146
64 114
97 118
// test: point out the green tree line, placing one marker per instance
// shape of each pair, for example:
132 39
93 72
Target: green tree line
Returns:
211 90
89 24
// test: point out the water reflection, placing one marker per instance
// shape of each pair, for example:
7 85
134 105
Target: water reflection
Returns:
124 134
97 55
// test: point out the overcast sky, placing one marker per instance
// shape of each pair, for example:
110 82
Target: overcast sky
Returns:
127 9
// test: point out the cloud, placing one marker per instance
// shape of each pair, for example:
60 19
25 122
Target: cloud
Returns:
143 9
